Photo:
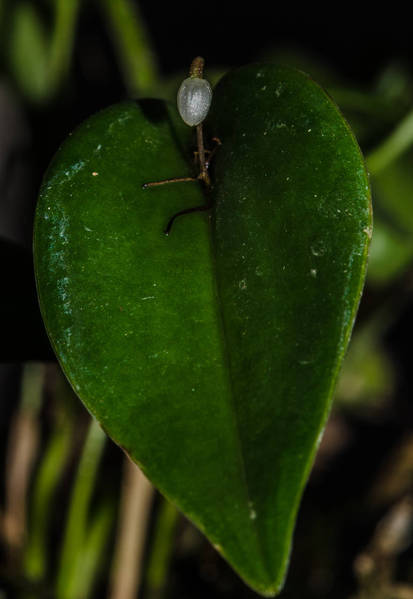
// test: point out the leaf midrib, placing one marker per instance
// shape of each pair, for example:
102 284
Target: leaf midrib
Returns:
233 410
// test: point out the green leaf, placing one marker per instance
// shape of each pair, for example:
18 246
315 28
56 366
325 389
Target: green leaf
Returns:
211 355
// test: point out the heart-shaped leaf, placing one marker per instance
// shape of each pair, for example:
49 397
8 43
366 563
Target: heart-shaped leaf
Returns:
211 355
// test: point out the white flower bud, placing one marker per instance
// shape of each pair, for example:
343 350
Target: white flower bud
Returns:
194 100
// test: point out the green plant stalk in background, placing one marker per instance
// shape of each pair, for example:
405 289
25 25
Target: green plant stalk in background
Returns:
161 550
392 147
40 61
51 467
69 582
21 454
363 102
62 41
94 551
136 57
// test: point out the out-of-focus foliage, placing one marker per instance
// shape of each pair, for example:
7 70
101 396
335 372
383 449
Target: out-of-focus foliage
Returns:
28 50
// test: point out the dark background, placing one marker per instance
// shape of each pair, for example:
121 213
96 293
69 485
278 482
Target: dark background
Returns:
355 38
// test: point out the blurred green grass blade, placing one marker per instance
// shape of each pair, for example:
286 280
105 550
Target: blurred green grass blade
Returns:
50 471
367 377
75 534
94 553
62 41
390 255
40 59
161 549
393 146
391 250
132 43
393 193
28 51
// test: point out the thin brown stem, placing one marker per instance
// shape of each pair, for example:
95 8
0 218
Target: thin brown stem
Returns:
201 148
211 153
203 174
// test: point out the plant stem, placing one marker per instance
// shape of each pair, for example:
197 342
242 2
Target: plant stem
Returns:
132 42
93 554
368 104
40 60
21 452
48 477
136 502
397 143
61 44
69 581
161 550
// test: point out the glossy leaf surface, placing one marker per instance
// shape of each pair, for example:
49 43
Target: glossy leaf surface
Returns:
211 355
